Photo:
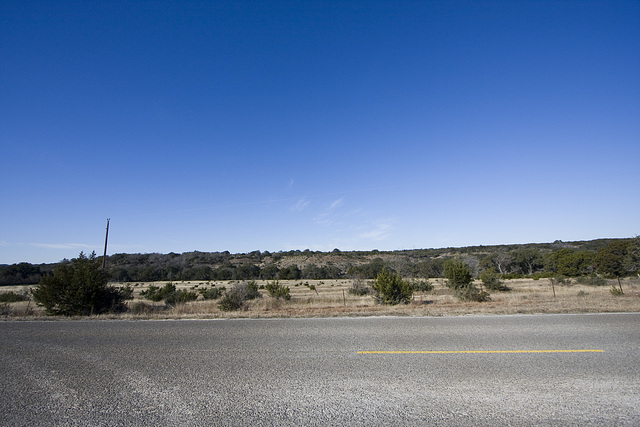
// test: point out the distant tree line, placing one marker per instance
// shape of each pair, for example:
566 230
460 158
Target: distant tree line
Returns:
606 257
226 271
23 273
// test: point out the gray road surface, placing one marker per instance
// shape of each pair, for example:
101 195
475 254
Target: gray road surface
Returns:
310 372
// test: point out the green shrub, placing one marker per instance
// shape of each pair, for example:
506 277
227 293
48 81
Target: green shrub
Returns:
241 292
592 280
491 280
231 301
359 287
277 291
567 262
617 258
212 293
13 296
541 275
459 278
457 273
389 288
78 288
181 296
421 286
471 293
616 291
169 294
155 293
5 309
127 292
251 290
140 307
152 293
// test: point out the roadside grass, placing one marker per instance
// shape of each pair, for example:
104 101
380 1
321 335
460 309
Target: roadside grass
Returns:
331 298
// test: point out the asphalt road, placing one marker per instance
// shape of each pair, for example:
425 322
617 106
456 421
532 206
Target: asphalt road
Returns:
313 372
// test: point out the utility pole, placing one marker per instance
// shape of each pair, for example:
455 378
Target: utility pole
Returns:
106 237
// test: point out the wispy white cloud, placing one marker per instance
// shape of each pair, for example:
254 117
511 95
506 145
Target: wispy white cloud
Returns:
323 219
301 204
378 231
331 215
336 203
62 245
352 228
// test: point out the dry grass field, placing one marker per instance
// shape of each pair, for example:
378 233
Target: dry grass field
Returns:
331 298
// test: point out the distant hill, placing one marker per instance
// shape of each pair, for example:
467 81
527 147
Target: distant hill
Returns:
568 258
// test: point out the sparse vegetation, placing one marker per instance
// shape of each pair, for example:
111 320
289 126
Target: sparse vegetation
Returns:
277 291
359 287
460 280
169 294
421 285
127 292
235 298
492 281
526 296
249 290
471 293
232 300
457 273
187 284
616 291
156 293
13 296
141 307
180 297
563 280
78 288
212 292
390 288
592 280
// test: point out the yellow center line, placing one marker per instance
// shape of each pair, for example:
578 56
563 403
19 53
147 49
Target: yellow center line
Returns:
474 351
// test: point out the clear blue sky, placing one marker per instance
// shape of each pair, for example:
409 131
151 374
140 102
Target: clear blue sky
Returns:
278 125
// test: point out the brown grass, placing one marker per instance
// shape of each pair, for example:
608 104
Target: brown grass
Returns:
527 296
